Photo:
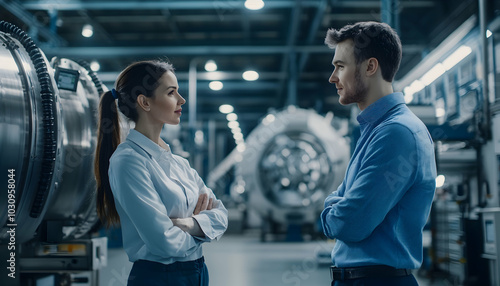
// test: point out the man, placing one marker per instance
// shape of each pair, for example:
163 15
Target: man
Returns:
378 212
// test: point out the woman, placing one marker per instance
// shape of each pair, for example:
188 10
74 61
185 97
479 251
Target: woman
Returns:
165 210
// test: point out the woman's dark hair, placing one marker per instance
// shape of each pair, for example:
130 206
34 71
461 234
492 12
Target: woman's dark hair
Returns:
138 78
371 40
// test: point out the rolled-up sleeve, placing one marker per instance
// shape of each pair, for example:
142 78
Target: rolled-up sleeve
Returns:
386 172
135 193
212 222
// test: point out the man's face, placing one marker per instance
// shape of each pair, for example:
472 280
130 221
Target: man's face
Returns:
346 76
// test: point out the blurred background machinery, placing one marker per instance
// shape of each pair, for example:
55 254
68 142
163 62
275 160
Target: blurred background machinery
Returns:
458 84
48 132
292 161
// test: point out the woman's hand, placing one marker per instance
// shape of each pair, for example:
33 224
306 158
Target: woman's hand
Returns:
189 225
204 203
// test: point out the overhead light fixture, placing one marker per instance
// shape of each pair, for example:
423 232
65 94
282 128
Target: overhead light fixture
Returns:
199 137
270 117
87 31
433 74
414 87
233 124
438 70
250 75
210 66
95 66
408 97
488 33
215 85
458 55
226 108
254 4
440 112
232 117
238 136
440 181
236 130
241 147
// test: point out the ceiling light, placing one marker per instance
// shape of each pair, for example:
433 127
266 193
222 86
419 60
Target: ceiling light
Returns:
237 136
414 87
215 85
226 108
433 74
440 112
95 66
458 55
254 4
440 181
199 137
236 130
270 117
87 31
250 75
210 66
232 117
241 147
408 97
233 124
488 33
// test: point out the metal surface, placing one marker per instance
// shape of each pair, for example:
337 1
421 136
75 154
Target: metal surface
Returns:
74 200
69 199
291 163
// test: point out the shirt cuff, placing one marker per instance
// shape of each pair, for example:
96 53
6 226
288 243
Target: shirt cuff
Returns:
324 223
205 225
330 200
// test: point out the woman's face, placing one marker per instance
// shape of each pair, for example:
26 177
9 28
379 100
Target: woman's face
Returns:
167 102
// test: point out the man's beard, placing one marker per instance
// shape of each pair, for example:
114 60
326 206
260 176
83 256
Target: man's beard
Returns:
359 93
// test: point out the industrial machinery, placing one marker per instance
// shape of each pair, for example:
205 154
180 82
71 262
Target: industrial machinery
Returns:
459 80
292 161
47 138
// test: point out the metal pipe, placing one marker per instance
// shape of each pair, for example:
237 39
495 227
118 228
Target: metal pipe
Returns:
292 80
390 13
485 124
192 94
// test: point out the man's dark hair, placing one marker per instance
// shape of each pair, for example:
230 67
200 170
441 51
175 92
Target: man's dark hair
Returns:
371 40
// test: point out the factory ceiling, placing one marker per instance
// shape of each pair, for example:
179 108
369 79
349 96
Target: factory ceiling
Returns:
283 42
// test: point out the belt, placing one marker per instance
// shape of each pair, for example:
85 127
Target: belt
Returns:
173 267
348 273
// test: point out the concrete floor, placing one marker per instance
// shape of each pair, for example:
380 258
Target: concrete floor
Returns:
243 260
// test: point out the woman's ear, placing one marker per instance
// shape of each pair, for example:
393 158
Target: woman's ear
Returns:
143 102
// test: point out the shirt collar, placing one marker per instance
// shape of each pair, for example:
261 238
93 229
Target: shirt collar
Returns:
145 143
380 107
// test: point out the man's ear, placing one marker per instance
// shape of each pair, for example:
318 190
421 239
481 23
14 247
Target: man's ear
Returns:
143 102
371 66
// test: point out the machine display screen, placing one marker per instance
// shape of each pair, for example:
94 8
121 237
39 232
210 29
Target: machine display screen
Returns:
67 79
489 231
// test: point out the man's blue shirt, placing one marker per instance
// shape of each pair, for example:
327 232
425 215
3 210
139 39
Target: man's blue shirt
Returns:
378 212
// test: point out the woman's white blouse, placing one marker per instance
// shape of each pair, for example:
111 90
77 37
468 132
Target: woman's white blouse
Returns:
150 186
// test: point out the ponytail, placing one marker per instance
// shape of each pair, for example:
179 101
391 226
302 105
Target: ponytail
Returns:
108 138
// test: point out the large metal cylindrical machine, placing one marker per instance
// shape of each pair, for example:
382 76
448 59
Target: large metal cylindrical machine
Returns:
47 139
292 161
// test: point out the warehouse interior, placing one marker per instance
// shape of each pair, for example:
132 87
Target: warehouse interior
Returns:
255 78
